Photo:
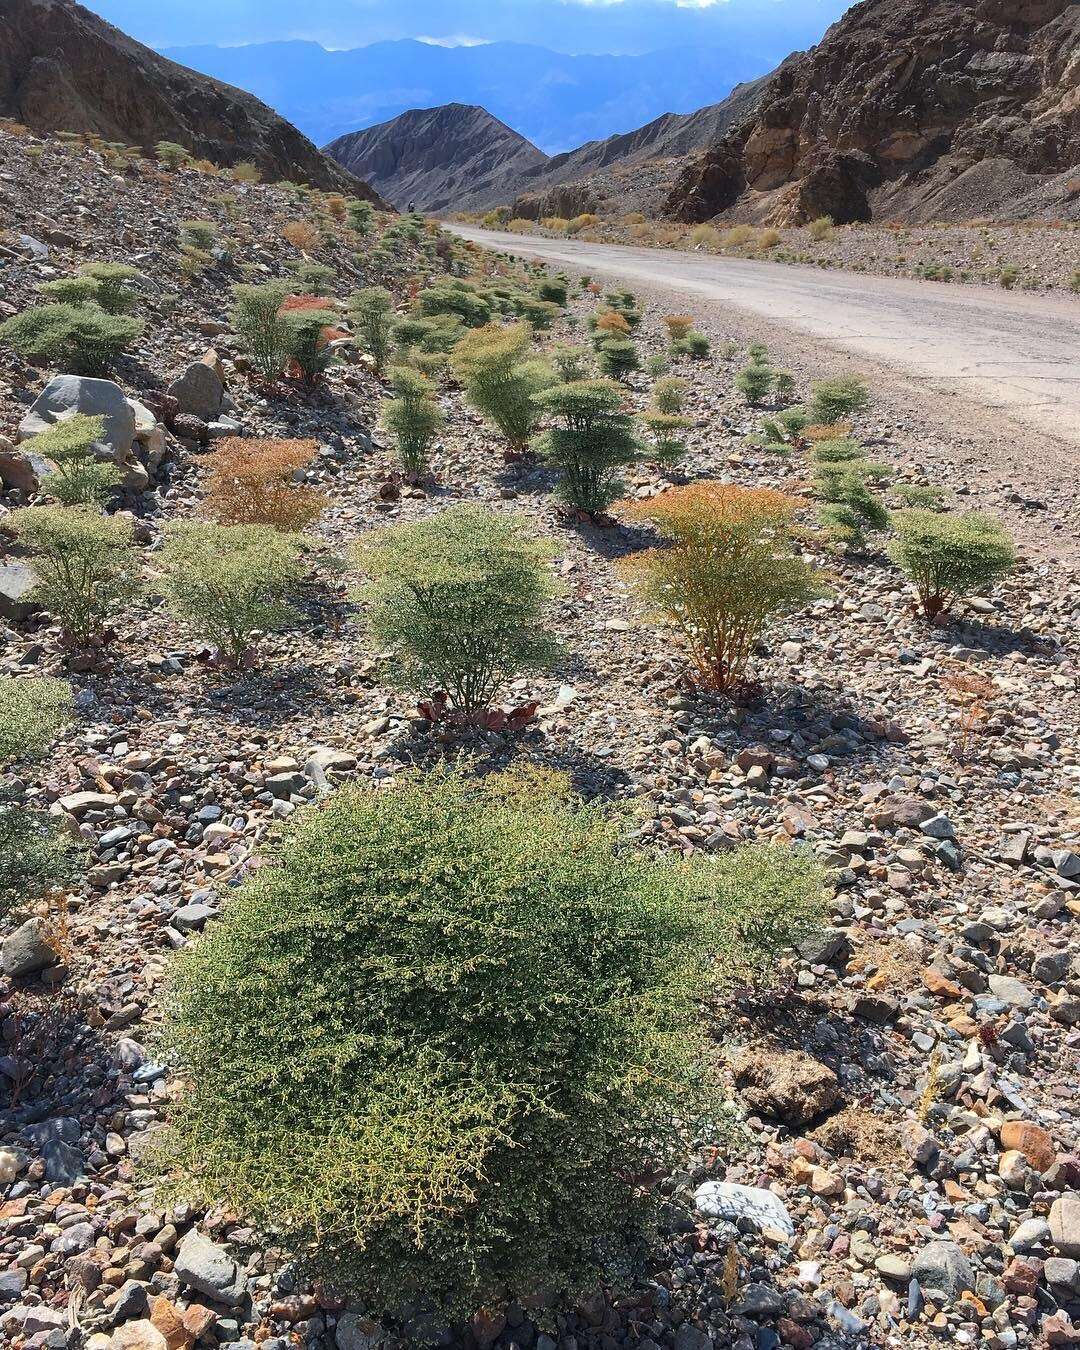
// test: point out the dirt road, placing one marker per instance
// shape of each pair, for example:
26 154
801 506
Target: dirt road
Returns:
1014 352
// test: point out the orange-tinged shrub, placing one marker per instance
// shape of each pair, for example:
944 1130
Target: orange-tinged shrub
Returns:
728 566
612 322
248 484
678 325
301 234
826 431
337 207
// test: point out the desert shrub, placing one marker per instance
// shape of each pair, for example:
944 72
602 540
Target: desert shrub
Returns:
371 311
171 155
36 854
617 357
261 327
784 429
821 228
678 325
541 314
570 363
500 381
314 278
85 562
553 290
705 236
81 479
489 1010
457 298
412 417
657 366
71 291
116 293
591 441
833 400
926 498
32 711
337 206
248 483
755 382
246 172
728 568
739 236
585 221
461 599
302 234
696 345
610 323
361 216
947 556
784 385
850 507
668 446
309 346
439 334
1008 276
768 239
497 219
84 338
1074 281
200 234
669 396
228 582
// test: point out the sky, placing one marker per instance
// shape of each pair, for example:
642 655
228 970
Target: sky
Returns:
573 26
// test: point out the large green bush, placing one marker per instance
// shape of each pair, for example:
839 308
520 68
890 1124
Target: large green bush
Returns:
461 598
501 381
371 312
949 556
832 400
227 582
86 565
309 347
456 297
82 338
116 292
412 417
440 1043
81 479
261 327
32 711
591 440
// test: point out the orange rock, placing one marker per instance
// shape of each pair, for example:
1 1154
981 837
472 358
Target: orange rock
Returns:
1032 1141
940 986
198 1320
166 1317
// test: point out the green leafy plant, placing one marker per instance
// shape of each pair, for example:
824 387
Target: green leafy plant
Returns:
81 478
755 382
657 366
461 598
228 582
309 346
571 363
85 562
313 278
171 155
591 440
32 711
501 381
84 338
437 1044
361 217
554 290
668 446
949 556
617 357
833 400
371 312
922 497
261 327
669 395
116 293
729 566
413 418
200 234
456 297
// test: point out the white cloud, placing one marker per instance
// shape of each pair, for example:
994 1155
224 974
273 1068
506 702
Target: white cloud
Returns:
455 40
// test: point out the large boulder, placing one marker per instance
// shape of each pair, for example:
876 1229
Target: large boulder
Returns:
66 395
785 1085
199 391
27 950
19 469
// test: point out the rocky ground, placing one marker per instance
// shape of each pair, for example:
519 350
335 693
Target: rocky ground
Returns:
907 1164
1035 255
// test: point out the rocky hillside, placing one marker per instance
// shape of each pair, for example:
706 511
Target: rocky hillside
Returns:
64 69
909 110
434 158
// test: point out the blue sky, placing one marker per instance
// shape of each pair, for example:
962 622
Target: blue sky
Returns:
563 25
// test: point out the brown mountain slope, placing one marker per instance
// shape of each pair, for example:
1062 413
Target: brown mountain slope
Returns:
64 69
943 110
435 158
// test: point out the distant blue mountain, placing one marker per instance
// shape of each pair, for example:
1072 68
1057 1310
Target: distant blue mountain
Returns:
554 100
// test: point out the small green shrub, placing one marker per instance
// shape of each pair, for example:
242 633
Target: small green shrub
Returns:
171 155
925 498
436 1044
540 314
500 381
308 345
361 216
1074 281
570 363
784 386
758 353
1008 276
261 327
227 582
84 338
947 556
81 479
85 562
413 418
591 442
32 712
657 366
461 599
371 312
456 297
696 345
71 291
313 278
116 292
617 357
833 400
755 382
553 290
669 395
785 428
200 234
821 229
668 445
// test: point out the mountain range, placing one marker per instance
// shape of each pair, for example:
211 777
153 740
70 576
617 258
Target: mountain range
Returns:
556 101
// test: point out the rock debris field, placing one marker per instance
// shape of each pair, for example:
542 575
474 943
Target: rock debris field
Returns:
905 1167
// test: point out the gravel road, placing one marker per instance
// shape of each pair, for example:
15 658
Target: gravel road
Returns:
1015 353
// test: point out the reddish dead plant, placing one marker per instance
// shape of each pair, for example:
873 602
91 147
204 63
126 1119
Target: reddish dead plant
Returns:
678 325
248 484
728 567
